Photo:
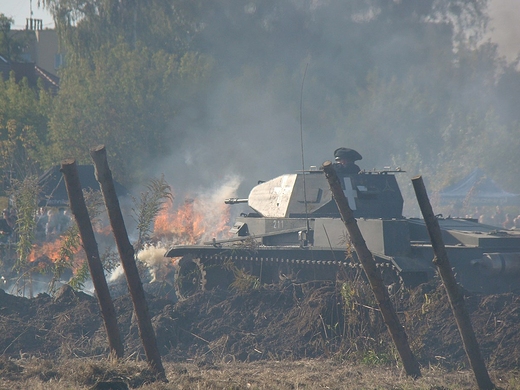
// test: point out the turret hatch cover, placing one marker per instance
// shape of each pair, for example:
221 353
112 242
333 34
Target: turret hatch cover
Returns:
271 199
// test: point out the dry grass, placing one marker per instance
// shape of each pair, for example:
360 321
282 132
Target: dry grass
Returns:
306 374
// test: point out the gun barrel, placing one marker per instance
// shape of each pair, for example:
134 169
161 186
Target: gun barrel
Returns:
235 200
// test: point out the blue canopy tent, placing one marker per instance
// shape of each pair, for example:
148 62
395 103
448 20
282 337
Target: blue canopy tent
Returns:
478 190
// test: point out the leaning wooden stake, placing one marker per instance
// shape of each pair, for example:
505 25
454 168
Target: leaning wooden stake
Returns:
127 254
392 322
80 212
455 295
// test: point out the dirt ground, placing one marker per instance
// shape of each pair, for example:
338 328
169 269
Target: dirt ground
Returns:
285 323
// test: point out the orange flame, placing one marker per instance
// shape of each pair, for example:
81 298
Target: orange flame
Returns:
103 230
48 251
197 220
192 223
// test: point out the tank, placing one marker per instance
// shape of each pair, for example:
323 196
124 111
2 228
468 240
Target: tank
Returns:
293 230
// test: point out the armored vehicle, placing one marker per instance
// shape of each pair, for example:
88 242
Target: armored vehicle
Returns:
294 230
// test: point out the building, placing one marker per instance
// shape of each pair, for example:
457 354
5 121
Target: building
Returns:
41 57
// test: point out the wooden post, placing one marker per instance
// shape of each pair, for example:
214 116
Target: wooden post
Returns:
392 322
455 295
127 255
80 212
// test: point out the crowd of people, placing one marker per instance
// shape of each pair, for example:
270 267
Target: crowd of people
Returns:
50 223
496 217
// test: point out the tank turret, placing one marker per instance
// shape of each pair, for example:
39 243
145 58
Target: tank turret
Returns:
370 195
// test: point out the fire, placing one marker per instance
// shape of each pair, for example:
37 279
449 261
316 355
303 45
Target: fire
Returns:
103 230
198 219
191 223
48 251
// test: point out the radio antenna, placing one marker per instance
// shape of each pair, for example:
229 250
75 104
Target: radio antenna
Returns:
303 155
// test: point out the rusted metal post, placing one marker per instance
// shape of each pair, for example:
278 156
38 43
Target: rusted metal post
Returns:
80 212
410 363
455 295
127 255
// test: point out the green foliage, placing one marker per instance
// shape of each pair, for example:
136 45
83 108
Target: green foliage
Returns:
5 28
23 127
372 358
148 207
24 195
87 25
13 43
405 80
124 102
77 282
70 244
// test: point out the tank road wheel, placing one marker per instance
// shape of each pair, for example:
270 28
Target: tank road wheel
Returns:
189 277
391 278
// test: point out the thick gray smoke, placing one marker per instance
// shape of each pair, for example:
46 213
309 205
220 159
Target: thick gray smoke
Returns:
504 27
248 124
250 136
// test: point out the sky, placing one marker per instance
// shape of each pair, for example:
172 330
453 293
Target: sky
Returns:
20 10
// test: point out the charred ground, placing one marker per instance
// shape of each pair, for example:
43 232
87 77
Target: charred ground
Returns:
286 322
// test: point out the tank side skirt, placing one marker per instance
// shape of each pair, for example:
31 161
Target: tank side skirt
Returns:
274 266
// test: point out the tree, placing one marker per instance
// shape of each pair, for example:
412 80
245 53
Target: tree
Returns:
23 128
12 44
86 25
124 102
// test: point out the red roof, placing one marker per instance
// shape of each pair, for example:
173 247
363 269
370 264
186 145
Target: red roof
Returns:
32 72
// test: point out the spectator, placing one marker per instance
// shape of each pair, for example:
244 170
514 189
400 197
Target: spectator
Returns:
41 223
63 220
498 217
509 223
516 222
10 218
52 223
485 219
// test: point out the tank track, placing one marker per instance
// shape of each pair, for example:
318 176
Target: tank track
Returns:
200 272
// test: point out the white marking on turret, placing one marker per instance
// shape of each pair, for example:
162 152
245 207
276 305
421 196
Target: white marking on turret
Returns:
350 193
281 190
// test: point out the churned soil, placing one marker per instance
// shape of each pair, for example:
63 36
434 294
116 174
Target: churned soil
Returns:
285 322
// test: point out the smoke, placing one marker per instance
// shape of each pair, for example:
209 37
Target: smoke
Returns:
249 136
248 123
504 27
210 210
153 257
